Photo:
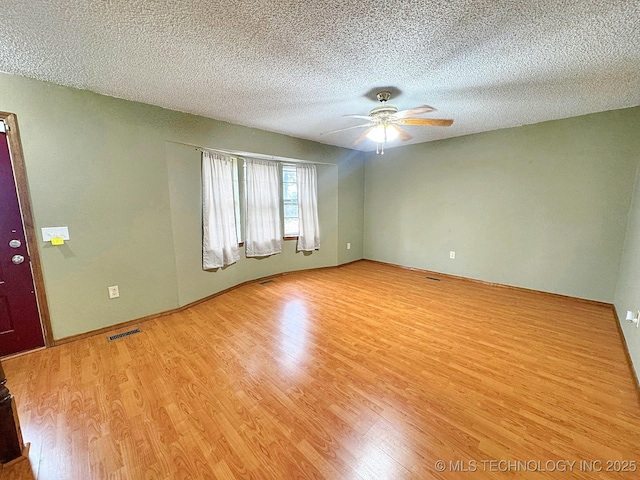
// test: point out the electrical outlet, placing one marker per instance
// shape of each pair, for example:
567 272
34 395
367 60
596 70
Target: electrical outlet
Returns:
348 246
113 291
452 255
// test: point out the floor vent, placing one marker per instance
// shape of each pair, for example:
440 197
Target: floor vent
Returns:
266 282
123 334
433 278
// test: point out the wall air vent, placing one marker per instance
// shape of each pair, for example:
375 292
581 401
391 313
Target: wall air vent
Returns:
124 334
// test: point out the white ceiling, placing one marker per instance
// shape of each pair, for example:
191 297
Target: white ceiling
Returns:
296 67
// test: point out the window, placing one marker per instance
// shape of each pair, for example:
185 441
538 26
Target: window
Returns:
290 201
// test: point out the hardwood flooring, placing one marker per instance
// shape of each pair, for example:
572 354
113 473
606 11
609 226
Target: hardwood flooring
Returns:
366 371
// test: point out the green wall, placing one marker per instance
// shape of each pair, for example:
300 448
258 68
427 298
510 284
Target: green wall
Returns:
541 206
114 173
351 220
627 295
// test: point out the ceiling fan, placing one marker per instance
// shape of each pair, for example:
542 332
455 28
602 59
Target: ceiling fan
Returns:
384 123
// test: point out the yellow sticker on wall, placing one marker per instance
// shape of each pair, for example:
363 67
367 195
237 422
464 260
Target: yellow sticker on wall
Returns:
57 241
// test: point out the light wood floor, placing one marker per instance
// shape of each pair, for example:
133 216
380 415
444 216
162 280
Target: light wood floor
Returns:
361 372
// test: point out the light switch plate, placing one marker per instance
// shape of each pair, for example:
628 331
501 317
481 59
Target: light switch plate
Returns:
55 232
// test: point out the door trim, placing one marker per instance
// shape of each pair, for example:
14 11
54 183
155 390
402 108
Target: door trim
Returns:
22 186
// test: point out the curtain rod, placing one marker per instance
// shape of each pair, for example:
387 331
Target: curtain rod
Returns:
258 156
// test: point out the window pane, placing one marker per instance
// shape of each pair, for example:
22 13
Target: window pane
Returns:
288 176
290 191
291 210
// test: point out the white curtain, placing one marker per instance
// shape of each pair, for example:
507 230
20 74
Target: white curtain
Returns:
309 233
219 234
263 236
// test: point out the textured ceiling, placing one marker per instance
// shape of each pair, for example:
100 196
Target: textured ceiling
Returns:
296 67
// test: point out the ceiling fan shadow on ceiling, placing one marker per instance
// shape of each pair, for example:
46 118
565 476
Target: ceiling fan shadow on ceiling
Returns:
384 123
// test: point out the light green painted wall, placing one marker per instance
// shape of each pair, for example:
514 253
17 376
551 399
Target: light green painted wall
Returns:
111 170
541 206
351 220
96 165
627 295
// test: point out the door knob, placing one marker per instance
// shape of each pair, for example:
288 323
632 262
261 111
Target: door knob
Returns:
17 259
15 243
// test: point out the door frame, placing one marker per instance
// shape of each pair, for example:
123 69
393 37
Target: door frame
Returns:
22 186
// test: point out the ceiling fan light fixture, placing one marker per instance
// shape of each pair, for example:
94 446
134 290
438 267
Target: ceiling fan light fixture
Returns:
383 133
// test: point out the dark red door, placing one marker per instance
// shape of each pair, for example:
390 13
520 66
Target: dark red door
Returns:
20 327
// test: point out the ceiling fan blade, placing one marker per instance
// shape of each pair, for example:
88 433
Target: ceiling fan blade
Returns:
347 128
362 137
403 134
353 115
432 122
412 112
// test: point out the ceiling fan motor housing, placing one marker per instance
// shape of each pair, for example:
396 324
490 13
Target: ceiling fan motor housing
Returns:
383 111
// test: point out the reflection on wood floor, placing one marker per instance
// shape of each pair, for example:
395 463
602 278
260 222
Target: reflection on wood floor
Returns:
365 371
